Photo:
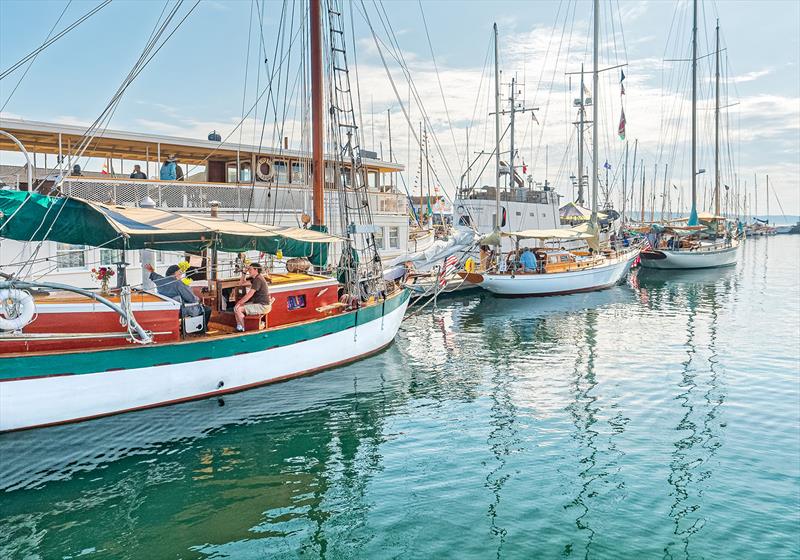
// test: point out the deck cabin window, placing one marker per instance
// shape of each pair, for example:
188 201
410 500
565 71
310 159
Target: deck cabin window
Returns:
298 173
564 258
394 237
245 172
373 179
70 256
379 238
110 256
281 172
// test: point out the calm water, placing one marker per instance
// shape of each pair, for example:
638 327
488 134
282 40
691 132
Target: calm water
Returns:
659 419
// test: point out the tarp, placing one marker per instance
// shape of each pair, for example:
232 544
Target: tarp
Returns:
559 233
35 217
572 212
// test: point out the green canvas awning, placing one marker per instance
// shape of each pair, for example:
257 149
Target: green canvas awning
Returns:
35 217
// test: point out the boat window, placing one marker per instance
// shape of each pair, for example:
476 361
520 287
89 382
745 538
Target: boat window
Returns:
70 256
533 215
379 238
564 258
296 302
245 172
394 237
110 256
281 172
230 172
553 260
298 173
519 213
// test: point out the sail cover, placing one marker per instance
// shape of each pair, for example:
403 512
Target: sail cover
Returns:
35 217
559 233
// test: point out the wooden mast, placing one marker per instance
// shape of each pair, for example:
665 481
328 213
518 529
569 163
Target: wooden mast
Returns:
317 114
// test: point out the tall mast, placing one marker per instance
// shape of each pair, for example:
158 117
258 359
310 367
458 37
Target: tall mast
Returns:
716 131
595 103
625 182
581 118
496 130
511 155
317 114
767 193
693 215
643 193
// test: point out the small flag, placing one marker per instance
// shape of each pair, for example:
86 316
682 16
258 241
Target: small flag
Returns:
621 130
449 263
104 169
586 91
607 165
524 167
621 84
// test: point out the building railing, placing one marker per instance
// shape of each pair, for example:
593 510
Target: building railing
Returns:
189 196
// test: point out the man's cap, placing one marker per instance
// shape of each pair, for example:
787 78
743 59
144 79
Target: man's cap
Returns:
173 269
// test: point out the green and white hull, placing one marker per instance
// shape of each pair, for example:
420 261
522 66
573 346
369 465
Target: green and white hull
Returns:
45 389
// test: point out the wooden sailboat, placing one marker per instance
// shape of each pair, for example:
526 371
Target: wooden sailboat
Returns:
69 354
693 246
557 270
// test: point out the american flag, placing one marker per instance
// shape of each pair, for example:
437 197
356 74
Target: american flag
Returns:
449 263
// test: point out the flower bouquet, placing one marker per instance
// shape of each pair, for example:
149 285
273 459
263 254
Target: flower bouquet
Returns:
103 274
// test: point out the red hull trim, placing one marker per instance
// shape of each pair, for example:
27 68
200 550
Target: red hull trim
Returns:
210 394
565 293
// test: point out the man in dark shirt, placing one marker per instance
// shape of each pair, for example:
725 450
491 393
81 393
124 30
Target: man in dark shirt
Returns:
137 173
256 300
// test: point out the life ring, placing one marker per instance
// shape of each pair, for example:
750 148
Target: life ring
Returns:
262 173
469 266
16 309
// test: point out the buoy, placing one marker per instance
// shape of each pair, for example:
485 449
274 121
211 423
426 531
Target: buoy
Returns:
469 266
16 309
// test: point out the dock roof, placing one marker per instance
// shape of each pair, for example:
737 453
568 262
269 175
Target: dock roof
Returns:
43 137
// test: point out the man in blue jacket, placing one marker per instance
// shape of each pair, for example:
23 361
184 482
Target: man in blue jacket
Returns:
172 286
169 170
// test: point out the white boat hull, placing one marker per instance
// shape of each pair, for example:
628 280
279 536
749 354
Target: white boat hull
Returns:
596 278
704 258
42 401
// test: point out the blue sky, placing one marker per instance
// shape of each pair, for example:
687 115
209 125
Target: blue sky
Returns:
196 81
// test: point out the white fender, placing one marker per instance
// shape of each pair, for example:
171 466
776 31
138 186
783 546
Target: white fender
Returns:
16 309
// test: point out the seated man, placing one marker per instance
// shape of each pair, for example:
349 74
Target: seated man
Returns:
256 300
528 261
173 287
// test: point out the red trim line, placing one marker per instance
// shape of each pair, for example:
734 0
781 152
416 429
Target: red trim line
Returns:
202 396
566 293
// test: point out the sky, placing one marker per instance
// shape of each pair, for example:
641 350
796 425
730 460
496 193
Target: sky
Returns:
205 74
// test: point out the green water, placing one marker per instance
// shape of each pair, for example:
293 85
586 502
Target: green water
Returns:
659 419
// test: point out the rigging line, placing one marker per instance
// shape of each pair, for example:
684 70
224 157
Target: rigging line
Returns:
25 73
404 66
49 42
246 67
355 65
552 80
439 80
416 94
232 132
92 131
135 71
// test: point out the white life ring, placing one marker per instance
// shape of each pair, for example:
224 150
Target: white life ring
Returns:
16 309
260 173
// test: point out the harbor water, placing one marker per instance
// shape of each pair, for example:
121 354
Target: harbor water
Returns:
657 419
